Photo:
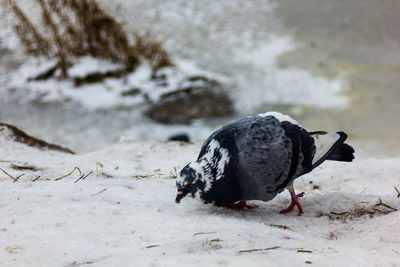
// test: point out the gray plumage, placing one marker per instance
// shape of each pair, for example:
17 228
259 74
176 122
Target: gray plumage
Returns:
264 157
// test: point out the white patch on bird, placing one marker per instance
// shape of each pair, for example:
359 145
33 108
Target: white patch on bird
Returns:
280 117
208 164
323 142
200 167
181 180
214 146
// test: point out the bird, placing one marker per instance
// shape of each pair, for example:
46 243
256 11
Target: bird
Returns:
256 158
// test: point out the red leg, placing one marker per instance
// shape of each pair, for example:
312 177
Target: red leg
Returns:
295 202
240 205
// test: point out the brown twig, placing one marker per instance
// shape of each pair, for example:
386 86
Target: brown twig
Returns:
380 203
203 233
257 249
398 192
36 178
304 251
98 193
174 174
97 167
340 213
83 176
20 168
106 175
16 178
62 177
142 176
9 175
152 246
280 226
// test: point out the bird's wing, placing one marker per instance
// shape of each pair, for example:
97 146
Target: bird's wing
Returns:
264 157
303 151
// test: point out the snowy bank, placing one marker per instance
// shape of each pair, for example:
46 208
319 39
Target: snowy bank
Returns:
123 213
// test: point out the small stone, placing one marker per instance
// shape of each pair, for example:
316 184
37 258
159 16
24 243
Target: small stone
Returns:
182 137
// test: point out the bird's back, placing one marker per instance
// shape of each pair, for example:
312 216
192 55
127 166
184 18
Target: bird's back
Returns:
264 157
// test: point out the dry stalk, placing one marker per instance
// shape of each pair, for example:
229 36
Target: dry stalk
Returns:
83 176
143 176
106 175
36 178
380 203
25 167
16 178
98 193
257 249
359 212
34 43
9 175
78 28
174 174
61 49
152 246
203 233
62 177
280 226
304 251
398 192
98 164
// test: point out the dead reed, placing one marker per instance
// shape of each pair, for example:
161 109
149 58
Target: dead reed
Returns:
72 29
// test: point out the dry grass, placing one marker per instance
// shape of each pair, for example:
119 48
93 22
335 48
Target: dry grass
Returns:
77 28
15 179
34 43
380 208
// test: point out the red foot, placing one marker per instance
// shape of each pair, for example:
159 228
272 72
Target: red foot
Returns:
240 205
295 202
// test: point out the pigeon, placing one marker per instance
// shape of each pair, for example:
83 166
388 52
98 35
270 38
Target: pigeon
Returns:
256 158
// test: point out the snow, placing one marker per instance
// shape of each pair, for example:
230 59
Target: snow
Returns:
107 93
124 214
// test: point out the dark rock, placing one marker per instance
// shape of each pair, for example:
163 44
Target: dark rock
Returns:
97 77
46 74
160 78
19 136
196 97
131 92
182 137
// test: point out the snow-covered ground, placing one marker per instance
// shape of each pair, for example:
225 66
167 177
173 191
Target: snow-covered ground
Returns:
123 213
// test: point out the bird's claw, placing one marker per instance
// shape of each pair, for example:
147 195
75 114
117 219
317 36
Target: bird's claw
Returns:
295 202
240 205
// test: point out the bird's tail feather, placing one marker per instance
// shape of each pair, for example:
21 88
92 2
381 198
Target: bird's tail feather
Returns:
344 152
331 146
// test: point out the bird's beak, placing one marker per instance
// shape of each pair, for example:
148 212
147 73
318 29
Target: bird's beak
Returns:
179 196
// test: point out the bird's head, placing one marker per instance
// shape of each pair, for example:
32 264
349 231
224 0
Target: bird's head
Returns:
187 181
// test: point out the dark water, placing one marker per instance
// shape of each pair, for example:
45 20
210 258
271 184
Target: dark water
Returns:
360 42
